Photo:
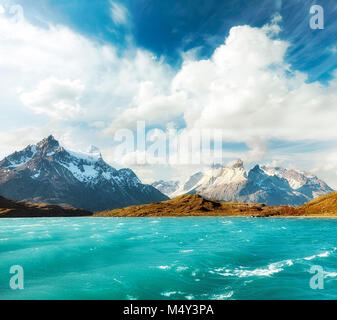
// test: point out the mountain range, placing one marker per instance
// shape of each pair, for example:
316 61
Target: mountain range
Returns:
48 173
273 186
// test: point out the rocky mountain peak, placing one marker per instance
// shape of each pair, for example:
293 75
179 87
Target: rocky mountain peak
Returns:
257 168
48 144
95 151
238 164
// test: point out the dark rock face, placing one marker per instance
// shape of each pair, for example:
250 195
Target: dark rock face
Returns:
48 173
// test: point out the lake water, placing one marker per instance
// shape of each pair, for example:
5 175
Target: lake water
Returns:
168 258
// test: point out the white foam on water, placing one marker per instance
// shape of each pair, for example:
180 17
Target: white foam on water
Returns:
164 267
168 293
179 269
242 272
194 273
320 255
95 236
29 225
117 280
226 222
271 269
223 296
330 274
186 251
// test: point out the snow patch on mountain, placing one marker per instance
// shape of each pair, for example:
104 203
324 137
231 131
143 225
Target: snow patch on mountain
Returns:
18 159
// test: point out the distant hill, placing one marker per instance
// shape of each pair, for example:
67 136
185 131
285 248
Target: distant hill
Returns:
195 205
48 173
16 209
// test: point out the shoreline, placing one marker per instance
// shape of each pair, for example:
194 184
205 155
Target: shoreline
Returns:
177 217
190 206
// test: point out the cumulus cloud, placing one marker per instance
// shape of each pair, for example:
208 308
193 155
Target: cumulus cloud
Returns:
246 89
61 74
55 97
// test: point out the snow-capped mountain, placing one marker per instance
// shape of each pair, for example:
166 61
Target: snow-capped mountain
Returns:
272 186
166 187
48 173
302 182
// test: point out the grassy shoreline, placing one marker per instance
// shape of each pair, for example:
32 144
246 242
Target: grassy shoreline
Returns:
183 206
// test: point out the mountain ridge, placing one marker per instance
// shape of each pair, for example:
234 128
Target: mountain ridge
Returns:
271 185
49 173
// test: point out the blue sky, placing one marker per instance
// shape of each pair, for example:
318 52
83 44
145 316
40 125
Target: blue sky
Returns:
84 68
168 28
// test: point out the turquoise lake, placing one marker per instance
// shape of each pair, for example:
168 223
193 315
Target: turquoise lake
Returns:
168 258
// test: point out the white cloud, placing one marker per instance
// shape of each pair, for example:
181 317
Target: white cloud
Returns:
119 13
60 74
247 89
54 97
15 140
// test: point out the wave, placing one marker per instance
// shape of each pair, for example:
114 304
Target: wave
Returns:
330 274
272 268
179 269
242 272
222 296
164 267
321 255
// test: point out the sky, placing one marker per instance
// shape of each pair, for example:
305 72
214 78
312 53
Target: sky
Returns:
83 70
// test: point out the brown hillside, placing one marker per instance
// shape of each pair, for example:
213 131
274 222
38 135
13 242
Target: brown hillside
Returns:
322 206
16 209
195 205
